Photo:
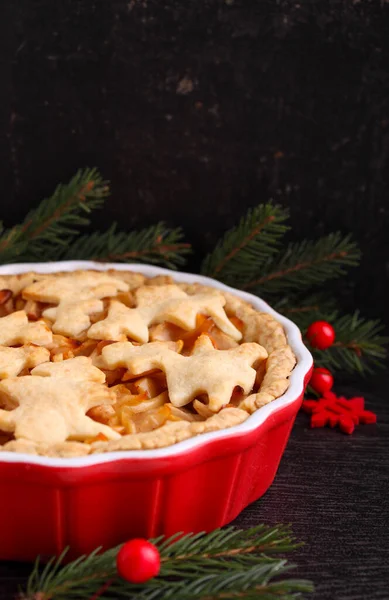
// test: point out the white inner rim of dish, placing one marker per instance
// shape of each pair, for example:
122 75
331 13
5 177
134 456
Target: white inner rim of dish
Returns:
296 379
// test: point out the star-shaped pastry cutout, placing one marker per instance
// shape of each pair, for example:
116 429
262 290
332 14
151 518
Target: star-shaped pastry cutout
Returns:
157 304
77 296
14 360
15 329
120 323
79 368
52 409
206 371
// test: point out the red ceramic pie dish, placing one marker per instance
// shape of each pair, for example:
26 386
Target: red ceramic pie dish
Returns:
103 499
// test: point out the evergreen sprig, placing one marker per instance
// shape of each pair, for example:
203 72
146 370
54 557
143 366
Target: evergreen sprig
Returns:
227 563
306 264
241 253
359 345
303 309
290 279
56 220
156 244
52 231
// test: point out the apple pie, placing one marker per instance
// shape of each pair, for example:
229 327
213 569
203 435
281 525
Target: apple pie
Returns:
100 361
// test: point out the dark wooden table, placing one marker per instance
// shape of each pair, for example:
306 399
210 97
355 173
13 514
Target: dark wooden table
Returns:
334 489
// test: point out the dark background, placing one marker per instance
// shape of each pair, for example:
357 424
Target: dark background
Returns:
196 110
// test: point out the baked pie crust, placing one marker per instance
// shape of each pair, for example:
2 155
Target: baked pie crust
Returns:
95 361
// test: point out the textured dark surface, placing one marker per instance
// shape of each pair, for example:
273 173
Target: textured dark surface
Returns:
196 110
334 489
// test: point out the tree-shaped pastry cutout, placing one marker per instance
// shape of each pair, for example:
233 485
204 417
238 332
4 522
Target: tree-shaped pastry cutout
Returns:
209 371
52 409
77 296
15 329
14 360
157 304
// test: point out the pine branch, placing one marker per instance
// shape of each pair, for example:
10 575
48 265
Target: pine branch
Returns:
306 264
253 582
156 244
241 253
228 542
359 345
226 563
305 308
55 222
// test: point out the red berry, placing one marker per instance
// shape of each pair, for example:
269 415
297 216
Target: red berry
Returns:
321 380
138 561
321 335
